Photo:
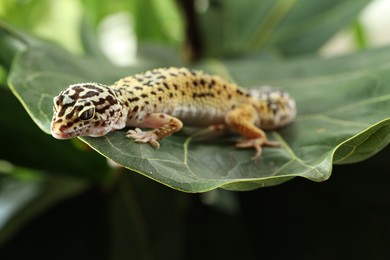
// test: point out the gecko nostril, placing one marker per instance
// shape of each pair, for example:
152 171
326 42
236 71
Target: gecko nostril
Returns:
63 128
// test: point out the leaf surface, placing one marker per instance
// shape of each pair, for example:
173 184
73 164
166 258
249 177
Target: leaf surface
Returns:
343 117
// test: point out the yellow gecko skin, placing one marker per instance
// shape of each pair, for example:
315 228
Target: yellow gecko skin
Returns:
164 99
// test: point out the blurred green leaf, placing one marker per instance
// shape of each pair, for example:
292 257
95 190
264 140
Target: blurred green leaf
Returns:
342 103
25 14
153 20
232 27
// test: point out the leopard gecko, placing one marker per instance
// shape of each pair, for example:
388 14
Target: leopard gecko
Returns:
164 100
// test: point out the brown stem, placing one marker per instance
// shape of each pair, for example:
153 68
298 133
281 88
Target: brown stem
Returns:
193 43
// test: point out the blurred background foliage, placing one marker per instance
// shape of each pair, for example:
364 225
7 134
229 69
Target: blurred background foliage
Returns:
61 201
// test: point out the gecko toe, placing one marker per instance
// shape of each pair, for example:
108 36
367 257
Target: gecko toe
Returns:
140 136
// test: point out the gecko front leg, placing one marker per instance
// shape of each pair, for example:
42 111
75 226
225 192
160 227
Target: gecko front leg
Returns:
164 125
242 120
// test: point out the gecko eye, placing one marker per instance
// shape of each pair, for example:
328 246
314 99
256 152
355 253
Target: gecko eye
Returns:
87 114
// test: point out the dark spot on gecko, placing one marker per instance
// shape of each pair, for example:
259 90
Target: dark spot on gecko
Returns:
149 83
202 82
136 117
175 86
70 115
112 113
154 105
162 116
92 87
183 93
146 102
229 96
100 102
170 95
224 86
90 94
239 92
165 85
130 117
69 124
159 99
111 100
142 108
173 74
219 92
193 72
161 77
133 99
160 89
153 93
195 83
212 82
144 95
103 109
138 87
135 109
59 121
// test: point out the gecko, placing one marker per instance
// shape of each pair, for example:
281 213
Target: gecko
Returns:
164 100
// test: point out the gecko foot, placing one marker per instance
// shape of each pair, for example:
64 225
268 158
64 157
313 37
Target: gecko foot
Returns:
256 143
140 136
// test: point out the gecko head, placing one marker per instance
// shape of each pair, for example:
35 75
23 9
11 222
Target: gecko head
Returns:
86 109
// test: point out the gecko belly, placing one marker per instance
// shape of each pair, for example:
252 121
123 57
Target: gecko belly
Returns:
192 116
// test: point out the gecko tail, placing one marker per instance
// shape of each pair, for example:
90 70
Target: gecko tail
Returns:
280 109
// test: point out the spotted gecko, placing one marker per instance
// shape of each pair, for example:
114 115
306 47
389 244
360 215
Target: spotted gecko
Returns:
164 99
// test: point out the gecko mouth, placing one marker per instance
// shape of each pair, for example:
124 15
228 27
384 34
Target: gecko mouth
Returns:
60 133
60 136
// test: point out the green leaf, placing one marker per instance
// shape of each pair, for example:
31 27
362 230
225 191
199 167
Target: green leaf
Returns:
153 20
291 26
343 114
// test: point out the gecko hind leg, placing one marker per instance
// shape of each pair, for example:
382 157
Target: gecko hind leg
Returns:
242 120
